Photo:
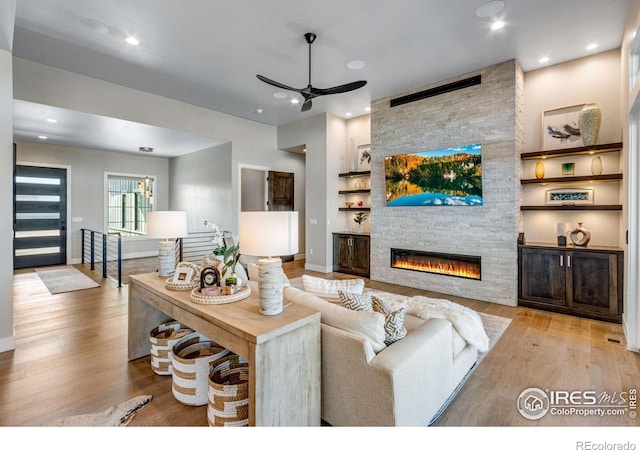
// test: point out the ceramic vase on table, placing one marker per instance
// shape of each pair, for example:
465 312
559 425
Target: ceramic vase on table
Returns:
589 120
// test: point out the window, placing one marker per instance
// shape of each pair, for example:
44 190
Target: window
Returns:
128 200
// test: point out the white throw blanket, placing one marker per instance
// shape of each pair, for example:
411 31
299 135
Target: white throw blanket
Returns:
465 320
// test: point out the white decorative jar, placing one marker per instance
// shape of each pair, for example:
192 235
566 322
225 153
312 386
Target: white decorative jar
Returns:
596 166
589 120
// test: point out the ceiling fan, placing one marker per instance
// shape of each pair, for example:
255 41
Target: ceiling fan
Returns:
310 92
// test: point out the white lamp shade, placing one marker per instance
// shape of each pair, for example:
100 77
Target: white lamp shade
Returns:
166 224
268 233
562 228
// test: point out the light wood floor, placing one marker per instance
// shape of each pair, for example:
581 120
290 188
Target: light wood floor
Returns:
70 358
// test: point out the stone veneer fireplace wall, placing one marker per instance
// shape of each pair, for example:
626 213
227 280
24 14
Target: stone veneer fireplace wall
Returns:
490 114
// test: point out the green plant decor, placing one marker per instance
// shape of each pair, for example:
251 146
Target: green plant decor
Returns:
230 259
359 218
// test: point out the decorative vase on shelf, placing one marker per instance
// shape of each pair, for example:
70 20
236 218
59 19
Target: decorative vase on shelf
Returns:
580 236
589 120
539 170
596 165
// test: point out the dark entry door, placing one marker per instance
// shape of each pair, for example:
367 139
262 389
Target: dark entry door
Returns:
39 217
280 191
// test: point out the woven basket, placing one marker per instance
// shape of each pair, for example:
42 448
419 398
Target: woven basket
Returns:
191 359
229 392
162 339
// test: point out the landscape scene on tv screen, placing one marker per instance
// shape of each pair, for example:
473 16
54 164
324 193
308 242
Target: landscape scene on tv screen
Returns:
445 177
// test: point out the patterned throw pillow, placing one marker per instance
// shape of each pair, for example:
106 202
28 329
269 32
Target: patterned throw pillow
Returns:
394 329
355 302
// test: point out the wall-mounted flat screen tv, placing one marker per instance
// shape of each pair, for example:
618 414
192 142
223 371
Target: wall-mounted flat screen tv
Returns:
445 177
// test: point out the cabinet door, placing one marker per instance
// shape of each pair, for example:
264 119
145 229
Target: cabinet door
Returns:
592 282
360 255
341 253
543 275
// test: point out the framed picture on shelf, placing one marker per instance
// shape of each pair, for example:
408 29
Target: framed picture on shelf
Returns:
560 128
569 197
364 157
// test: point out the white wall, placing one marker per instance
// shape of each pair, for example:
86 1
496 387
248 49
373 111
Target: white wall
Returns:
86 199
594 79
7 340
200 183
312 132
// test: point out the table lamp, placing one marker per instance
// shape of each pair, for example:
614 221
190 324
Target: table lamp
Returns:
266 234
166 225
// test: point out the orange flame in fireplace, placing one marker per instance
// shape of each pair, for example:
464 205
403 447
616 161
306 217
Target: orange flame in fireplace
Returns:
440 266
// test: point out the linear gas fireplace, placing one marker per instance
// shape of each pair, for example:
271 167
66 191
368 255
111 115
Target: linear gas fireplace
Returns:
462 266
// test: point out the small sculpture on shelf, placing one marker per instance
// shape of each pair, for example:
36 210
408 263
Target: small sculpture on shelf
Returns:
359 218
580 236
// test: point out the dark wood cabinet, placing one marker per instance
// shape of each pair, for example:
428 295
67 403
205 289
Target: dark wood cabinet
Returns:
579 281
351 253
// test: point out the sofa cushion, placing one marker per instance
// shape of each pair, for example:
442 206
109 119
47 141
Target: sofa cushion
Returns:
393 319
366 324
328 289
355 302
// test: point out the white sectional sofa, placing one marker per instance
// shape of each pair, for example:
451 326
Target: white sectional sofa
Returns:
368 383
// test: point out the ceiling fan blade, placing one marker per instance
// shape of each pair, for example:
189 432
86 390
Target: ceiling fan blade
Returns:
306 106
276 84
340 89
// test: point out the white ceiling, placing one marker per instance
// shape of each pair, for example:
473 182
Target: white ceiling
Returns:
208 53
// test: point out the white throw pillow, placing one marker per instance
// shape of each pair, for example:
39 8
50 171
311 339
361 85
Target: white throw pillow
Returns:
328 289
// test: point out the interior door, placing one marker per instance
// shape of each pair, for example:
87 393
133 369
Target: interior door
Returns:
39 217
280 185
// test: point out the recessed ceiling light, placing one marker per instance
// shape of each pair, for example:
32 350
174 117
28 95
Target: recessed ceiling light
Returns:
42 137
295 101
259 110
348 114
489 9
52 120
497 25
146 149
368 109
280 95
132 40
592 46
95 25
356 64
543 60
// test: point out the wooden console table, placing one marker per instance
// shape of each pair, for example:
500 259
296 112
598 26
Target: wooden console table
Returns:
283 350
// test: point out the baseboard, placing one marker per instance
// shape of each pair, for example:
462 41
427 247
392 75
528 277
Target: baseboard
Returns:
7 344
321 269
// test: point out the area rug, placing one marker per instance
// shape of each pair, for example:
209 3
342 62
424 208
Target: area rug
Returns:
116 416
65 279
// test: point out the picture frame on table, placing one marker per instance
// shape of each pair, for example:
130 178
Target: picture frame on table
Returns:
568 197
560 128
185 271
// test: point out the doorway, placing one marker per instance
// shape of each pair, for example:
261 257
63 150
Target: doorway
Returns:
39 217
